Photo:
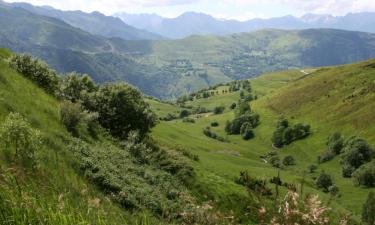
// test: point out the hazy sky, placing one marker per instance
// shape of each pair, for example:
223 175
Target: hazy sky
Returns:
234 9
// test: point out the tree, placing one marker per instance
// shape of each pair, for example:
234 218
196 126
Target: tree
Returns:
71 115
234 127
335 143
184 113
243 108
16 134
324 181
233 106
277 138
356 152
368 209
121 109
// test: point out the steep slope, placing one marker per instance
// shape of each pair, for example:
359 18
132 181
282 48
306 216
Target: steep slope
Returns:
192 23
332 99
94 23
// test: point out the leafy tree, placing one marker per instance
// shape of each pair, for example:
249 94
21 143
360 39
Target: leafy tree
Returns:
37 71
365 175
214 124
368 209
324 181
233 106
16 134
277 138
121 109
275 161
70 116
234 127
356 152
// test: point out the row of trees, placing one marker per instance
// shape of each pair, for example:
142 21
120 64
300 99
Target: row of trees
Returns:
119 108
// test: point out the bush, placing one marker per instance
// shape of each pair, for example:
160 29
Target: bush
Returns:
368 209
37 71
258 186
335 143
246 131
214 124
243 108
188 120
16 134
324 181
71 115
233 106
184 113
365 175
289 161
74 86
219 109
121 108
209 133
169 117
356 152
333 190
312 168
275 161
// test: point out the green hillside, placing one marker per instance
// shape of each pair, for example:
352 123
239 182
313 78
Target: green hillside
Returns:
330 99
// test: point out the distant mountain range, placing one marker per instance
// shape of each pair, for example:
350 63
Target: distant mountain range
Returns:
192 23
168 68
94 23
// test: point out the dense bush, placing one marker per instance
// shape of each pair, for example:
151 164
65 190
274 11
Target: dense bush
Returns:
184 113
121 108
214 124
275 161
335 143
243 108
246 131
219 109
289 160
209 133
75 86
16 134
234 127
259 186
284 134
356 152
188 120
324 181
169 117
233 106
365 175
368 209
137 175
37 71
71 115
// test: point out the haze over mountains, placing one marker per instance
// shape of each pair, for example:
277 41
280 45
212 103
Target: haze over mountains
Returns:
192 23
111 51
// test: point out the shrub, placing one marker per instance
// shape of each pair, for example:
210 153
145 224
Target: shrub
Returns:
324 181
219 109
259 186
365 175
312 168
188 120
74 86
243 108
121 108
169 117
16 134
284 134
356 152
209 133
246 131
327 156
288 160
333 190
275 161
37 71
214 124
184 113
71 115
233 106
335 143
368 209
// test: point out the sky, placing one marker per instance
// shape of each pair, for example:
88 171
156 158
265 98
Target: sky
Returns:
225 9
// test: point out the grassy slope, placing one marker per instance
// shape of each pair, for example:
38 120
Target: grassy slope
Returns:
56 189
316 99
